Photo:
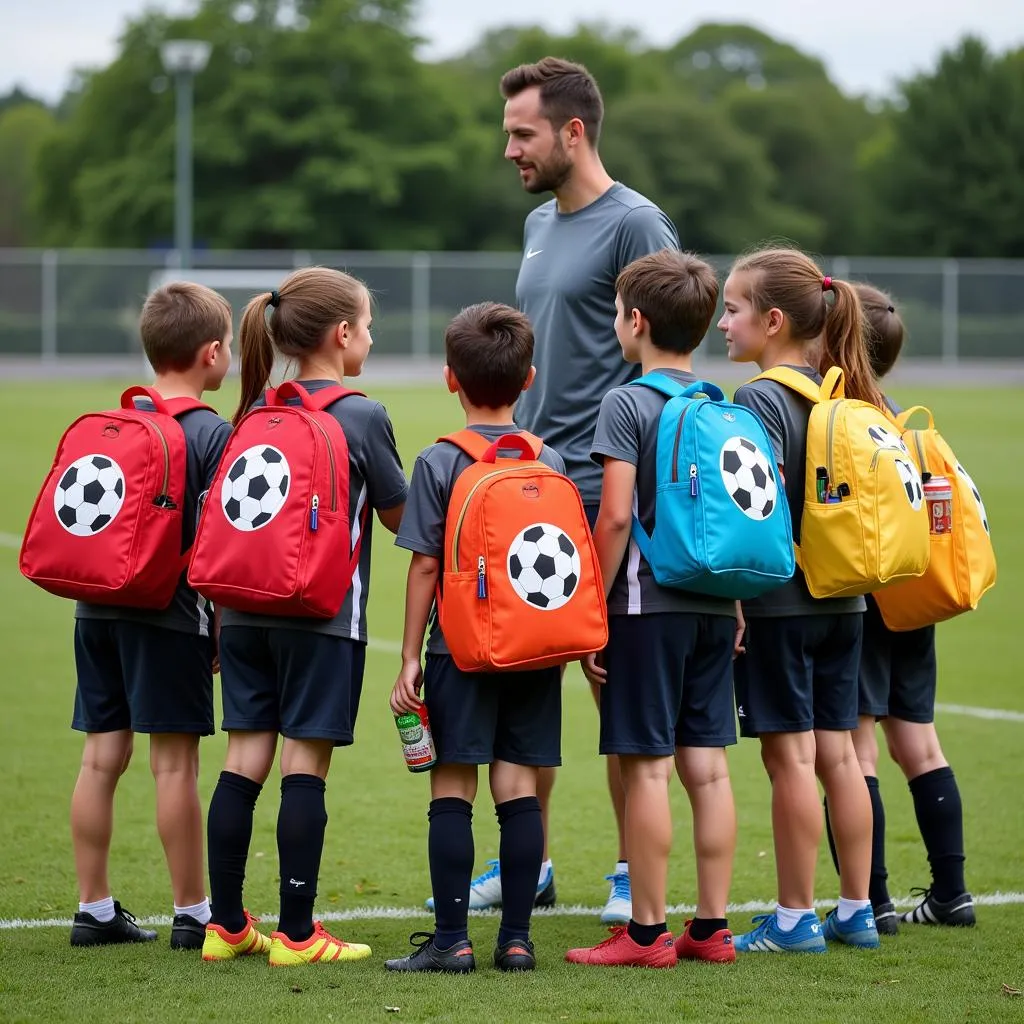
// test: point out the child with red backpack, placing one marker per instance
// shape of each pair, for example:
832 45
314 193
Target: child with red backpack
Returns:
519 609
112 527
284 544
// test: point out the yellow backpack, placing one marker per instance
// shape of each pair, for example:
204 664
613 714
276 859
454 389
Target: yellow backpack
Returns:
962 566
865 525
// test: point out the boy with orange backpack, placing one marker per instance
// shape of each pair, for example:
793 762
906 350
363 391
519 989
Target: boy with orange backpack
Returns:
513 600
113 527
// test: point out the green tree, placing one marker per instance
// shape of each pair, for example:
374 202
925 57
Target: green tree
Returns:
24 129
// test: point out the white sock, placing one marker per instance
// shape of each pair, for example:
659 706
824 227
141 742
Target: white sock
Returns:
847 908
544 869
102 910
621 867
200 911
788 919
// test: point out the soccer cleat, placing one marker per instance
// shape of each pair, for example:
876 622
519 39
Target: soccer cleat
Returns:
87 931
859 930
886 919
718 949
768 937
220 944
456 959
187 932
619 950
515 955
320 948
619 908
956 913
485 890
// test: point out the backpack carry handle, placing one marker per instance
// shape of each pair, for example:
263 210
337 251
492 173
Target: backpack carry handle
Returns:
139 391
904 417
507 441
706 388
290 389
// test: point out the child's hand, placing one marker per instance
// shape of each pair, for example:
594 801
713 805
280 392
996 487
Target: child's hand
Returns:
593 668
741 628
405 696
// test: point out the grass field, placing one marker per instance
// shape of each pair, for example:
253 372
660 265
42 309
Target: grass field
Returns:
374 863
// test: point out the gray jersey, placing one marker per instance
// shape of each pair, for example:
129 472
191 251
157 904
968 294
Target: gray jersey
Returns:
376 482
206 436
627 430
785 415
566 286
433 479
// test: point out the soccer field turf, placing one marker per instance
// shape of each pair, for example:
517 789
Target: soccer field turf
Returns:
375 863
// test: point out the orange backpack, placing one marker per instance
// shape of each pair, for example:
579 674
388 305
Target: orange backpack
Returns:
521 585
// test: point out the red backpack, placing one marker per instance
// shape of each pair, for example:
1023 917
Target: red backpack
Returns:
274 536
106 526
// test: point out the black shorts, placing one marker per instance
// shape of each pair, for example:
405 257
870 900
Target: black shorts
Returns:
669 683
897 670
799 673
480 717
304 685
591 513
132 675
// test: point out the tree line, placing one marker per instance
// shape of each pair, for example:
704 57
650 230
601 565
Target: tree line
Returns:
317 127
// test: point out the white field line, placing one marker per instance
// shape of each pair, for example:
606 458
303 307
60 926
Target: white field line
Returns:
10 540
995 899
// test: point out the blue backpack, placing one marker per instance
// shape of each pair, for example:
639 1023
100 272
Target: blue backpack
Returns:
722 524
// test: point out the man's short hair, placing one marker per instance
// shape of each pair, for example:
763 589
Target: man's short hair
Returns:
178 320
676 292
489 348
567 90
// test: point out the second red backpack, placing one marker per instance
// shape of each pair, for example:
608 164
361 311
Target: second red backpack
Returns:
274 536
106 525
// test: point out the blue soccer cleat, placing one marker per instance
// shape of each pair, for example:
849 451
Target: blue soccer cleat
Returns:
859 930
619 908
768 937
485 889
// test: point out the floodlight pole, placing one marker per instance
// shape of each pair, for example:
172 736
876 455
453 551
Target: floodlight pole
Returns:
184 59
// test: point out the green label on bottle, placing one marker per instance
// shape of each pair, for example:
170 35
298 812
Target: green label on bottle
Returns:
410 728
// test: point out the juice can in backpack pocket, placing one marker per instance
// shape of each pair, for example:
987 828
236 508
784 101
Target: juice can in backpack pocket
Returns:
938 493
417 743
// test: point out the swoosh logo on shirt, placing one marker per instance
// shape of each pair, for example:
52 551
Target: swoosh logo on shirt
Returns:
530 253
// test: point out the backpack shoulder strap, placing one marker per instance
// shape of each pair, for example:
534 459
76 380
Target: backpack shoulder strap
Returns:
478 448
169 406
179 406
830 387
661 383
328 396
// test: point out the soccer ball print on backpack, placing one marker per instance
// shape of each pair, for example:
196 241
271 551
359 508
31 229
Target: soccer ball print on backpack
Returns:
722 524
521 587
106 526
274 536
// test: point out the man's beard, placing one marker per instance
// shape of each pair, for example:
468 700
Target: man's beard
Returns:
553 175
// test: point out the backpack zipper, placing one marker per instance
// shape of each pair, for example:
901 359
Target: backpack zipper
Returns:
330 456
675 451
163 497
832 413
481 578
462 513
920 455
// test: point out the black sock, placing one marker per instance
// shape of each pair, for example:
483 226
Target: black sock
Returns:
831 838
520 854
702 928
301 823
228 832
878 890
450 850
940 817
646 934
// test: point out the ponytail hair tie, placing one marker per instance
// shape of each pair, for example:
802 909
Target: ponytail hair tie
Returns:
891 309
826 283
275 298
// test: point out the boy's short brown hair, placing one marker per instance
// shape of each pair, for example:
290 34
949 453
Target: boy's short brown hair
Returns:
177 320
676 292
489 348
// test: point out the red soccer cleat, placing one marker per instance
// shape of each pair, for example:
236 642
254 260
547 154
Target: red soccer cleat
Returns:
619 950
716 950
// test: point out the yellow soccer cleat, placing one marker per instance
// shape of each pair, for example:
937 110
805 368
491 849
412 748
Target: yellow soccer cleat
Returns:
221 944
320 947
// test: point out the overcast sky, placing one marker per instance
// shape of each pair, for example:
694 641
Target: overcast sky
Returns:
865 45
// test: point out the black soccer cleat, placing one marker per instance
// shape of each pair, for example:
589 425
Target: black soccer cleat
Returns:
87 931
515 955
886 919
456 959
956 913
546 896
187 932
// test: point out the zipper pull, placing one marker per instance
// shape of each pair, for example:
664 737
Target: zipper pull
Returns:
693 480
481 578
313 512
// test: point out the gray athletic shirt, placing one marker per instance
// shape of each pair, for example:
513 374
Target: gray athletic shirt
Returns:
206 436
376 481
627 430
566 286
785 415
426 509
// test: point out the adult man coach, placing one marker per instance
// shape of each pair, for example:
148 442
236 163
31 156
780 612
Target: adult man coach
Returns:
574 246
